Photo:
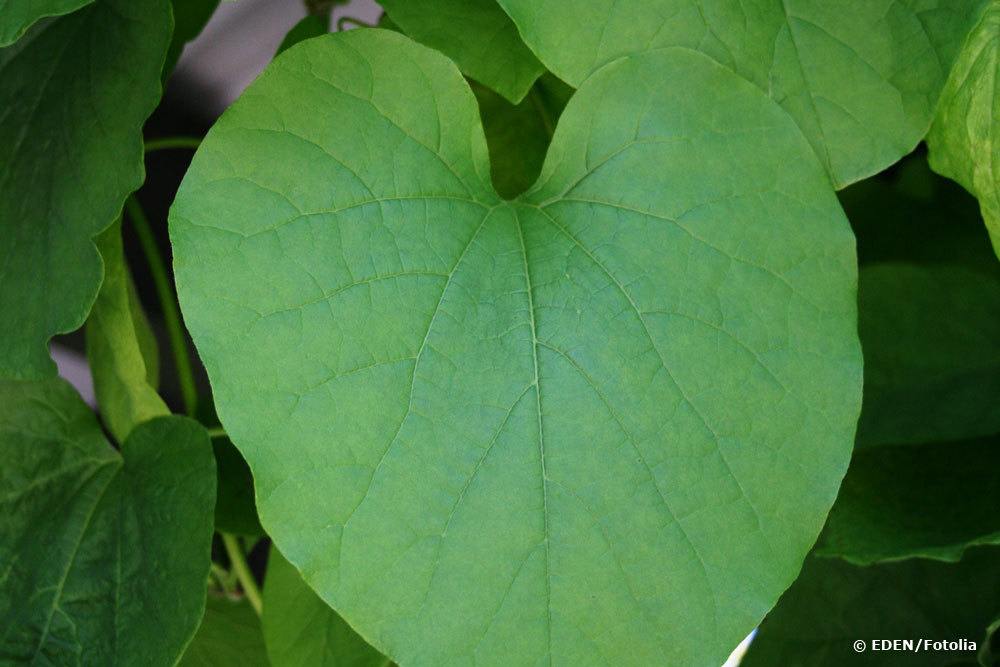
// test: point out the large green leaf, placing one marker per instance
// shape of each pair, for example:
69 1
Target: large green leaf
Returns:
74 92
118 346
105 555
933 500
965 138
301 630
230 635
603 422
833 604
16 16
518 135
860 77
477 35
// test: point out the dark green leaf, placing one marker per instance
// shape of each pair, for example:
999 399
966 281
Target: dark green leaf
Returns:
301 630
477 35
965 138
833 604
235 511
70 152
311 26
229 636
608 418
16 16
933 500
860 78
105 555
118 346
518 135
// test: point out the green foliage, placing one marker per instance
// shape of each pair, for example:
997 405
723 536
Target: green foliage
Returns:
965 137
104 554
71 151
514 371
302 631
120 346
465 343
833 604
229 636
477 35
860 78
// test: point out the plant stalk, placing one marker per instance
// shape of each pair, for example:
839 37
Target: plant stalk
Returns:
239 564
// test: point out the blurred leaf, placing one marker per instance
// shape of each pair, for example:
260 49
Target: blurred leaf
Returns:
105 554
833 604
229 636
122 356
19 15
312 25
235 511
477 35
190 17
933 500
302 631
73 105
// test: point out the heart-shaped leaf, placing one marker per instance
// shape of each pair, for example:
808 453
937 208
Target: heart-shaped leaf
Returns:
605 419
105 554
70 152
16 16
860 77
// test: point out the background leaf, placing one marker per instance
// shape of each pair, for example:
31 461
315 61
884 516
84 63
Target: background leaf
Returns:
71 150
235 511
119 343
301 630
833 603
965 138
606 419
310 26
190 17
860 78
105 554
16 16
477 35
230 635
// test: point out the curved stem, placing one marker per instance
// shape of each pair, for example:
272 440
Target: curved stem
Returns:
168 304
344 20
166 143
239 564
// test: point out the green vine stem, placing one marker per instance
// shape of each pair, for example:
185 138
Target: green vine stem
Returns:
242 570
358 23
216 432
168 304
167 143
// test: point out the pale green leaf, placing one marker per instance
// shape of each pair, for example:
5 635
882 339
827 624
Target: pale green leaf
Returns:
477 35
190 16
105 554
833 604
118 346
603 422
70 152
933 501
860 77
229 636
16 16
518 135
302 631
965 138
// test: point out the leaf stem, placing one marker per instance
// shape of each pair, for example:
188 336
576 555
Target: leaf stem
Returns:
543 112
344 20
239 564
216 432
168 304
167 143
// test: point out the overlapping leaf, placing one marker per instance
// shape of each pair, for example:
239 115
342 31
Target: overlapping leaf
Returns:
606 419
833 604
302 630
860 77
120 347
70 152
190 16
965 138
477 35
16 16
105 554
229 636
